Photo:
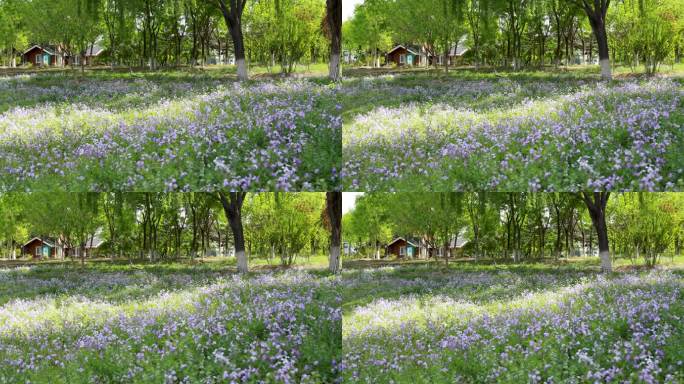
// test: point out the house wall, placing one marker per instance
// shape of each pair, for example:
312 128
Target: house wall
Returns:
30 56
394 57
30 249
395 249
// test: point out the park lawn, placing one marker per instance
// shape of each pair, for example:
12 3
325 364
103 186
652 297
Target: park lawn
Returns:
187 130
541 131
167 323
536 323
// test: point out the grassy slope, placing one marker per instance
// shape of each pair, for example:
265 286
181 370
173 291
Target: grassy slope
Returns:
120 312
389 309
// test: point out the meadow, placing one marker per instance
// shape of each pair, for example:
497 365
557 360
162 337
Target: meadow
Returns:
532 323
172 131
167 323
538 131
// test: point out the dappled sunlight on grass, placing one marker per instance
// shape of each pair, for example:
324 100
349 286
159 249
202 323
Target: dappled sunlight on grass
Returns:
82 133
501 134
446 331
140 325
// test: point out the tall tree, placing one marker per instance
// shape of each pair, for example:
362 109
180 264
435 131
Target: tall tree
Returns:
333 18
596 204
232 14
334 209
232 207
596 12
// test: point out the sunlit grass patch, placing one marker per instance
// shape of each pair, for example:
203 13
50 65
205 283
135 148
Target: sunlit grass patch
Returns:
198 326
150 132
560 327
425 133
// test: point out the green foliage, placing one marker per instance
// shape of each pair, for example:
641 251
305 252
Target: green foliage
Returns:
165 226
285 225
163 33
518 226
647 31
645 225
285 32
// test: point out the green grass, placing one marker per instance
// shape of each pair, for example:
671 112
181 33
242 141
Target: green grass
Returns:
498 322
177 130
423 130
167 322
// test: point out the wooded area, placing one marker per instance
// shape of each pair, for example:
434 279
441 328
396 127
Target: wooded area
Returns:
518 34
521 227
280 228
171 33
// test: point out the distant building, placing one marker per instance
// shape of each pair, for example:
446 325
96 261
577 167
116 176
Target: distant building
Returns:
45 56
417 55
412 248
91 54
57 56
40 247
402 248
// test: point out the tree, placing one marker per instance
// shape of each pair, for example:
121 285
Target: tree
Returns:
232 15
596 11
596 204
12 227
369 221
367 30
334 209
232 208
334 22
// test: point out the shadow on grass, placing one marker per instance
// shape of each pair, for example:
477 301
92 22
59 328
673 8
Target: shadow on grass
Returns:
467 77
478 281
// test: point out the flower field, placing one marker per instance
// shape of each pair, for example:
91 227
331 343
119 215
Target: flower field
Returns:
512 132
416 325
166 325
169 131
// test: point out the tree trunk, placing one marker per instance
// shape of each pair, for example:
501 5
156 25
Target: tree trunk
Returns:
597 20
596 204
233 19
232 208
334 210
334 20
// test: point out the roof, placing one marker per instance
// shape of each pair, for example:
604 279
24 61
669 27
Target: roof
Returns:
95 242
94 50
401 238
47 50
459 48
49 243
401 46
459 243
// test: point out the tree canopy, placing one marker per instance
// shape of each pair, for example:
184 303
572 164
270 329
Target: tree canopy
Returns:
522 33
160 33
520 226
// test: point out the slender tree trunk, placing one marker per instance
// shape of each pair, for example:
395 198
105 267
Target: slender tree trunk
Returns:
334 20
334 210
596 204
232 208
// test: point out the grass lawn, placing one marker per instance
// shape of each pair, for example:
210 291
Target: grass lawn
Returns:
172 130
417 130
535 323
167 323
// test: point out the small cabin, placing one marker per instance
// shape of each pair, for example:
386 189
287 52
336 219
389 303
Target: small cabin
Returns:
91 55
405 56
44 56
45 248
400 247
41 248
